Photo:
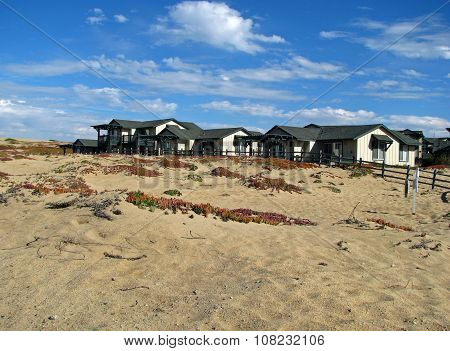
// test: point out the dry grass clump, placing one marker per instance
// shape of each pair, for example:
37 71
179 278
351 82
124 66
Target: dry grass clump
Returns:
139 160
116 169
242 215
224 172
263 183
281 163
72 185
356 171
5 158
385 223
3 175
175 162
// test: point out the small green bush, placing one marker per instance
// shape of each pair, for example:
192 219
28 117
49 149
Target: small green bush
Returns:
195 177
173 192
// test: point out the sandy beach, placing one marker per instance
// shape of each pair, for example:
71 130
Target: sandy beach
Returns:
76 255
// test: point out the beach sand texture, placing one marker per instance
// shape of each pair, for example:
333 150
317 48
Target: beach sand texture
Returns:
70 269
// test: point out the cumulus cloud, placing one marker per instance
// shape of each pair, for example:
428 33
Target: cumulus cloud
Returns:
97 17
212 23
120 18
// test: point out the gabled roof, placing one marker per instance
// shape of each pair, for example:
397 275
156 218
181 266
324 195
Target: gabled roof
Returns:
220 133
346 132
254 133
124 123
184 134
192 127
404 139
87 142
155 123
297 132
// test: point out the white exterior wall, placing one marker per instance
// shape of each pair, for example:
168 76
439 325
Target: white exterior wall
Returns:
227 143
160 128
392 154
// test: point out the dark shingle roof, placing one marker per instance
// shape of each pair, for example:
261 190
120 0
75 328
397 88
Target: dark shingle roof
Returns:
352 132
219 133
254 133
87 142
124 123
194 129
184 134
346 132
404 139
302 133
154 123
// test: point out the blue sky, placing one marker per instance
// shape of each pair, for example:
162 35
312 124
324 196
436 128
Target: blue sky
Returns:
219 64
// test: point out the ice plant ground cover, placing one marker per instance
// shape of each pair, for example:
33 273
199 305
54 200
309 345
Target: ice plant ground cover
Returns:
242 215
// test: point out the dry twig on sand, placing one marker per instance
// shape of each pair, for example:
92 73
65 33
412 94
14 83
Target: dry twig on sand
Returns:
120 257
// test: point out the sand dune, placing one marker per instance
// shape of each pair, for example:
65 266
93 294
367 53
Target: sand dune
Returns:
68 269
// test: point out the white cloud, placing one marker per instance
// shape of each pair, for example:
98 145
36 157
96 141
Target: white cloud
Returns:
393 89
47 69
176 63
296 67
181 78
430 40
212 23
112 96
448 75
120 18
97 17
23 119
413 73
157 106
431 125
267 110
333 34
116 98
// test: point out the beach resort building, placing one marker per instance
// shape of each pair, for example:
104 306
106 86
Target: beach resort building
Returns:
373 143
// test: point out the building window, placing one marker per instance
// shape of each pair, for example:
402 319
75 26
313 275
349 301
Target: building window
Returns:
403 153
378 150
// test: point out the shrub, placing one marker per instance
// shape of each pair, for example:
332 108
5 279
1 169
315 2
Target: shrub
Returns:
242 215
173 192
332 188
262 183
195 177
175 162
224 172
356 172
74 185
281 163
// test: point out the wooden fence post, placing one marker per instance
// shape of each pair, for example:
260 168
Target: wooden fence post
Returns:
434 179
382 170
353 159
407 181
320 157
360 161
301 156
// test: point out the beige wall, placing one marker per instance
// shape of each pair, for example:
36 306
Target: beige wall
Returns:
392 155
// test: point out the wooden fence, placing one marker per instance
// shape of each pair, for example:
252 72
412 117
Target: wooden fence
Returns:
434 178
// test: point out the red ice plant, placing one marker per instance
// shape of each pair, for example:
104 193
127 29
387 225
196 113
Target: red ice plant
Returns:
243 215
